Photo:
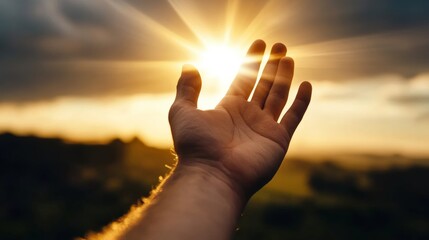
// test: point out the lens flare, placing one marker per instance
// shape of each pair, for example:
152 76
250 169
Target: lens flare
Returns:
220 62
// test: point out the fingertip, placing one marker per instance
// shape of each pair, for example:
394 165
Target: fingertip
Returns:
286 67
190 72
257 47
305 91
188 68
189 84
306 84
279 48
259 42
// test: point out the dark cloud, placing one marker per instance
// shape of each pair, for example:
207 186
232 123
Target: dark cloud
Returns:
78 48
34 81
403 53
351 39
356 39
336 19
67 29
411 99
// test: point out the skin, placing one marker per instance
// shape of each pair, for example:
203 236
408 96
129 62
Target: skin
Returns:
242 139
224 155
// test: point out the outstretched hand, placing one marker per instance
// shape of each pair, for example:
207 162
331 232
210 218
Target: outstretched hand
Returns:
242 141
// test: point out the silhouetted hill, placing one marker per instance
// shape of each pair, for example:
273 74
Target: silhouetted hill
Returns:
52 189
56 190
387 203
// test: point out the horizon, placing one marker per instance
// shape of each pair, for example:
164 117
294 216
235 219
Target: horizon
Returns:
357 161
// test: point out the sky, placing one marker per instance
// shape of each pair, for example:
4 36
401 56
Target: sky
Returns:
96 70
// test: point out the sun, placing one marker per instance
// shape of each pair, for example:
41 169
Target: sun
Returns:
220 62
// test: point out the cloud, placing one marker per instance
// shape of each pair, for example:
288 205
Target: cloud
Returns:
424 117
414 93
45 45
402 52
60 48
69 29
34 81
342 40
368 121
339 19
411 99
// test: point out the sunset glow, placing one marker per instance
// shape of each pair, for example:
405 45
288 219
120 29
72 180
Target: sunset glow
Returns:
115 75
221 63
86 88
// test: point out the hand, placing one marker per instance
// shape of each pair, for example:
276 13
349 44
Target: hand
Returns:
240 141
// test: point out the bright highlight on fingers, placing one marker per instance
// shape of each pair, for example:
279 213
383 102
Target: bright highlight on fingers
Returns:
220 62
189 85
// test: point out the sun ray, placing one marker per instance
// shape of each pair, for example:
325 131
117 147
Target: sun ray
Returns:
231 12
209 31
141 18
258 24
220 63
195 22
342 52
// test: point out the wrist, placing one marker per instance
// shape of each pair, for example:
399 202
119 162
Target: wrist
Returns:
194 202
212 178
201 198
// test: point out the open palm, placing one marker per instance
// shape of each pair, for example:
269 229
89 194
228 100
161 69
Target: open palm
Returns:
242 138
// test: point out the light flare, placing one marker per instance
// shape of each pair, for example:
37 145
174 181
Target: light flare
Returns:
220 63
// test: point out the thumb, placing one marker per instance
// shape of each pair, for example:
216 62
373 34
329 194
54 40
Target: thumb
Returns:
189 86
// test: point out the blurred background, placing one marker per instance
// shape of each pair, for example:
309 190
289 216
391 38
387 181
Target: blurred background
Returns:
85 88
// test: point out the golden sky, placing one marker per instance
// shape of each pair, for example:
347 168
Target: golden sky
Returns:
96 70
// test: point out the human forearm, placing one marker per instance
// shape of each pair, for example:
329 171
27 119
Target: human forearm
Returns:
225 154
194 202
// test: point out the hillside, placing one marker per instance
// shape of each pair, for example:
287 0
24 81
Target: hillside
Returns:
57 190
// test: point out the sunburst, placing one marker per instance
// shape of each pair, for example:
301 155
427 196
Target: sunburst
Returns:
215 55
